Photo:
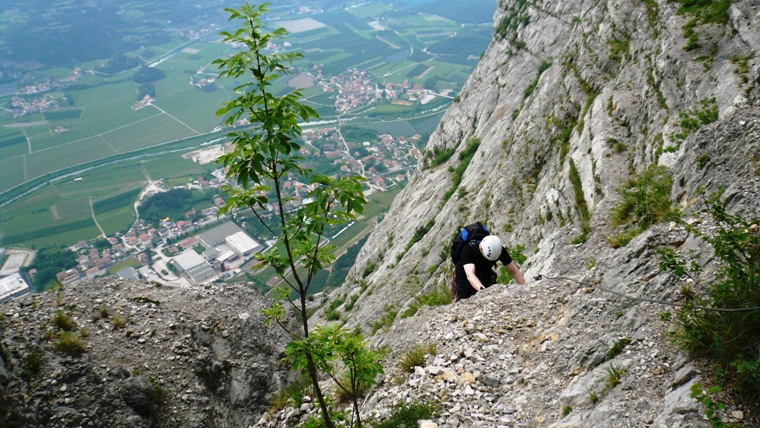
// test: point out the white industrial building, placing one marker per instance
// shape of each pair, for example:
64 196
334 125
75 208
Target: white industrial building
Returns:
195 267
13 286
242 244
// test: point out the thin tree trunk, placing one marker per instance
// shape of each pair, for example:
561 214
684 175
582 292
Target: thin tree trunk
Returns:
320 397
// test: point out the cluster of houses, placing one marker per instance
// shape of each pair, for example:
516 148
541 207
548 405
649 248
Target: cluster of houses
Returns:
205 81
355 88
21 105
352 88
386 156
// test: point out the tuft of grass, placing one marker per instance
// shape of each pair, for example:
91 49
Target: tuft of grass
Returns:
580 204
622 239
590 263
159 392
103 311
646 202
702 12
407 415
63 321
33 361
702 160
618 347
415 356
369 269
691 120
566 411
439 296
279 401
297 390
619 49
742 68
617 145
439 156
346 395
593 396
465 156
118 321
385 321
533 84
70 343
417 236
331 313
614 376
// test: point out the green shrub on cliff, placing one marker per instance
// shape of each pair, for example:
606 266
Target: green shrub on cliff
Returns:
721 320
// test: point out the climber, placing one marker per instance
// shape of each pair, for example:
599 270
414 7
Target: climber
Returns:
473 267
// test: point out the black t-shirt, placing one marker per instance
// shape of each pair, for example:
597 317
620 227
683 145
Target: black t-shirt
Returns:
483 267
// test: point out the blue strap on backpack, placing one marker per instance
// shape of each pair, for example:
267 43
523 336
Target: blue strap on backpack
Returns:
474 232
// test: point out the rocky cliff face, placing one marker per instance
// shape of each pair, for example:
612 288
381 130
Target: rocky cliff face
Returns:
147 356
570 100
586 346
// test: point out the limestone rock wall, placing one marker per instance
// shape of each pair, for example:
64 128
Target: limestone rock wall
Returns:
587 89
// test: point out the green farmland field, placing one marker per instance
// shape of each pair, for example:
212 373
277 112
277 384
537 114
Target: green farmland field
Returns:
72 209
49 138
172 166
395 128
102 182
11 172
63 115
116 221
109 106
118 202
370 10
156 130
12 143
45 161
130 262
98 146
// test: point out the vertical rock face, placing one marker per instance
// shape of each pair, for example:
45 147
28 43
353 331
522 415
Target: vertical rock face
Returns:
570 100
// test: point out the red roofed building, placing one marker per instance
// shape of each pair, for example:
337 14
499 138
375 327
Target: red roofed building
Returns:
67 275
94 272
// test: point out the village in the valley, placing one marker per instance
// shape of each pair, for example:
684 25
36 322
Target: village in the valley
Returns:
204 246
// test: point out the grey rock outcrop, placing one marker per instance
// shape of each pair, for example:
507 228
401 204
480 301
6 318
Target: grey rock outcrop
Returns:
138 393
571 100
152 356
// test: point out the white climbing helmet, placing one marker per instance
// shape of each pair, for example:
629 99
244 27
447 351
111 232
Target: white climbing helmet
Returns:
490 246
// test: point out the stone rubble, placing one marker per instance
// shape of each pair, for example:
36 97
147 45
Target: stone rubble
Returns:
184 358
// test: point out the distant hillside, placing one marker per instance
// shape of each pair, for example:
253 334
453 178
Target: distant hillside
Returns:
66 33
471 12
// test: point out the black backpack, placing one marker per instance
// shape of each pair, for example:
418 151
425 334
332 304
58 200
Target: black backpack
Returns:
474 232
